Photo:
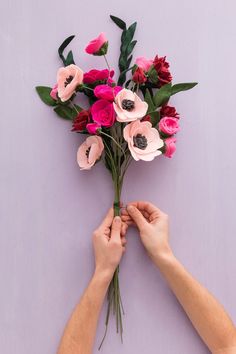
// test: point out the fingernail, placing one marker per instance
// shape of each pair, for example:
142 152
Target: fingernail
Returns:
117 219
130 207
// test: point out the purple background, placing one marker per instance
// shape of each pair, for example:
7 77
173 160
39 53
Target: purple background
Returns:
49 208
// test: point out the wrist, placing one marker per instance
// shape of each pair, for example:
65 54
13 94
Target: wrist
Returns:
103 275
164 257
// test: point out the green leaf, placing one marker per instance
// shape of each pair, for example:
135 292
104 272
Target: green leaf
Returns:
152 75
130 31
148 99
131 47
182 87
120 23
65 112
79 109
69 59
44 94
162 95
155 118
62 48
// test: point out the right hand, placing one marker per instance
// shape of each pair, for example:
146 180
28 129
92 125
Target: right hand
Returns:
153 227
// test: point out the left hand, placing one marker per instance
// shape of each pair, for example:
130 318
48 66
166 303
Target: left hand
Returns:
109 244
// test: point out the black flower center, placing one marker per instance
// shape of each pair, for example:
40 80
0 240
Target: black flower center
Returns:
140 141
128 105
87 152
68 80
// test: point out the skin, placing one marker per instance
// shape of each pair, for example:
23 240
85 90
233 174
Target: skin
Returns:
109 245
206 314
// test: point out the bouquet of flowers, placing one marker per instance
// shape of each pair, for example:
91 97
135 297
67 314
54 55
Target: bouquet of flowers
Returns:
127 119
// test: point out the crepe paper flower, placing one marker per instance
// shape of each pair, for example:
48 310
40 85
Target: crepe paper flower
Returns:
139 76
107 92
168 111
162 68
93 128
81 121
170 147
97 75
143 140
98 46
68 78
129 106
89 152
169 125
103 113
53 92
146 118
144 63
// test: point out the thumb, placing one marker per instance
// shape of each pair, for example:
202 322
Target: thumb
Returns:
137 216
116 229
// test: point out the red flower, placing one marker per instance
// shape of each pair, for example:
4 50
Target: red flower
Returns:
97 75
162 69
80 122
168 111
139 76
146 118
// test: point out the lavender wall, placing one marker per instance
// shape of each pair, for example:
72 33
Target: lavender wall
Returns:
49 208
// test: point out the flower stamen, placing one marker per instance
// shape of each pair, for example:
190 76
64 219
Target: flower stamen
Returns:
128 105
68 80
140 141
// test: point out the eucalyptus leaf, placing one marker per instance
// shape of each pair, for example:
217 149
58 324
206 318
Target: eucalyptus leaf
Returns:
44 94
155 118
62 47
182 87
65 112
120 23
162 95
148 99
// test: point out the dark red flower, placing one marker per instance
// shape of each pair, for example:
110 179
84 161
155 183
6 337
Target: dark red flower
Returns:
80 122
162 69
139 76
168 111
146 118
97 75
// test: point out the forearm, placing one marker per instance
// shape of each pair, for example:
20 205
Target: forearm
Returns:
206 314
78 337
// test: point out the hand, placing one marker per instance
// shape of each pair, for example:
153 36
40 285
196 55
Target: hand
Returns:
153 227
109 244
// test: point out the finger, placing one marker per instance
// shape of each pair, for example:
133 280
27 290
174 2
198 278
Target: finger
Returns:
137 216
124 228
107 221
146 206
123 241
116 229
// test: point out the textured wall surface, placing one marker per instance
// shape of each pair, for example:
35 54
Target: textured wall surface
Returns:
49 208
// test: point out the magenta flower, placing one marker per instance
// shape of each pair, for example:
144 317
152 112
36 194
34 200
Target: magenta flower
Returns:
170 147
129 106
169 125
53 92
68 78
103 113
97 46
92 128
107 92
143 140
98 75
89 152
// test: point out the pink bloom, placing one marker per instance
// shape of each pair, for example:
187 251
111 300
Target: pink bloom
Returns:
143 140
103 113
53 92
97 75
170 147
169 125
68 78
92 128
129 106
106 92
96 45
139 76
144 63
89 152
